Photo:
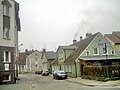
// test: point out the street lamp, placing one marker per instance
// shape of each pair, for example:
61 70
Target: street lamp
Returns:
106 55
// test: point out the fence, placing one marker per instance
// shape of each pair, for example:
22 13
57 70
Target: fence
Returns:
99 72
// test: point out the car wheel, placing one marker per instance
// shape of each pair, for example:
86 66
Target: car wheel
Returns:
57 78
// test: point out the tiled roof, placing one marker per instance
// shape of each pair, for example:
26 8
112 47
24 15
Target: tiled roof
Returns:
81 47
114 37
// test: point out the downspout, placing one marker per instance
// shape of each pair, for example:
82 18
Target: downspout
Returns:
75 70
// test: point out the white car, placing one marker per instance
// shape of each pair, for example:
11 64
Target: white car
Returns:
45 73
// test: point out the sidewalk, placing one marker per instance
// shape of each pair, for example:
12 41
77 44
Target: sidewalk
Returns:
93 82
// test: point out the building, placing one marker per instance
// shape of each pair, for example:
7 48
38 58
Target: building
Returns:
9 27
114 38
94 58
33 62
48 57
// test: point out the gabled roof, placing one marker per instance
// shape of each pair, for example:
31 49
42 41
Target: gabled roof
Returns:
81 47
50 55
55 62
114 37
23 57
68 47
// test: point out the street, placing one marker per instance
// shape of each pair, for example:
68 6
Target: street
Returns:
38 82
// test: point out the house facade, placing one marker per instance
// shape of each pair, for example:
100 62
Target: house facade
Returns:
114 38
9 27
94 58
48 57
34 62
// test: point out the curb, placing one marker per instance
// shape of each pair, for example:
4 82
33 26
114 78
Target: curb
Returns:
82 83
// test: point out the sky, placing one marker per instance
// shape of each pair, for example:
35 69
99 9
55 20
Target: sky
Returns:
52 23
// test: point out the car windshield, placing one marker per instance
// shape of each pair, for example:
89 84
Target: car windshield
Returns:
61 72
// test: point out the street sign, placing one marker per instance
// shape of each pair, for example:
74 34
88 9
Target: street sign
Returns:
101 44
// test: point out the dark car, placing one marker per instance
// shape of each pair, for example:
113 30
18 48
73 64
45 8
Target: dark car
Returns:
59 74
39 72
45 73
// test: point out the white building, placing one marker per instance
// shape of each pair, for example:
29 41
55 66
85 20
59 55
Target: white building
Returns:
9 27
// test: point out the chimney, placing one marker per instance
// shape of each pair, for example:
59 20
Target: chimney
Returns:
26 50
44 50
74 41
80 38
88 35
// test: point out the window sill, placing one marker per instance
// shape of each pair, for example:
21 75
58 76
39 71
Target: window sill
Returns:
6 81
6 38
6 62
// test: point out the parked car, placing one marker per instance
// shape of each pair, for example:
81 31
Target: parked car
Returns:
45 73
39 72
59 74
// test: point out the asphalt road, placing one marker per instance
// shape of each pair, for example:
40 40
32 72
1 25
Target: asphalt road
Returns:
38 82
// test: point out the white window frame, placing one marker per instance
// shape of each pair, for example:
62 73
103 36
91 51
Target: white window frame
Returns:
7 80
5 31
87 53
97 51
113 51
9 56
6 67
6 10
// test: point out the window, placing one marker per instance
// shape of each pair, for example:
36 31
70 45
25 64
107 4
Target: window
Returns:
104 51
95 51
6 78
6 67
87 53
6 33
5 10
7 56
112 52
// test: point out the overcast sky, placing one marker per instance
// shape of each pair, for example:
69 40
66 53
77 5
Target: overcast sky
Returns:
50 23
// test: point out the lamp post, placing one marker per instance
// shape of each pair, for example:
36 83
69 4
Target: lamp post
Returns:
106 56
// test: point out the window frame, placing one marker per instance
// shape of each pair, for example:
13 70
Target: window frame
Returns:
6 10
112 52
97 51
9 56
87 53
8 79
5 31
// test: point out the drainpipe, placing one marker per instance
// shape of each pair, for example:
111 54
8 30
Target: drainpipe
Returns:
75 70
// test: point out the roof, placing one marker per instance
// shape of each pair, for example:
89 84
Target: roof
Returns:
50 55
55 62
23 57
68 47
81 47
114 37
